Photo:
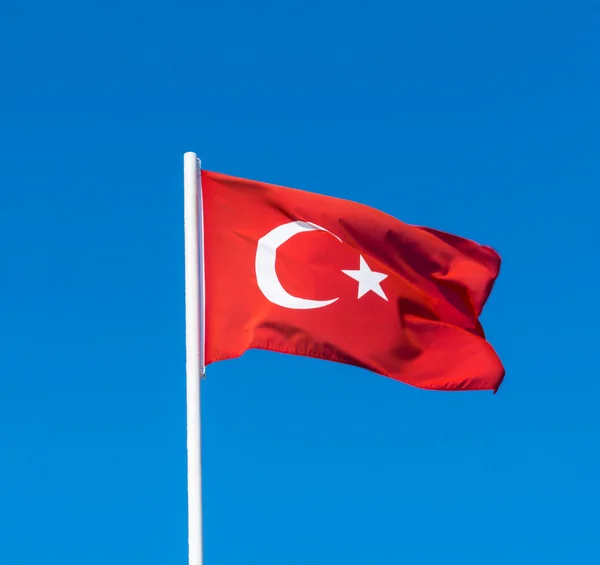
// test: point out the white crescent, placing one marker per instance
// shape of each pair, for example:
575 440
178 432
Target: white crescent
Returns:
266 275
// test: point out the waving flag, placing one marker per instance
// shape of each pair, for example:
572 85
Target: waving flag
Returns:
306 274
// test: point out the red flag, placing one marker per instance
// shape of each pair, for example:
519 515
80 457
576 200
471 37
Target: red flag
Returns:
302 273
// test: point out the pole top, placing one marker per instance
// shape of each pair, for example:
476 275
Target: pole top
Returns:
190 159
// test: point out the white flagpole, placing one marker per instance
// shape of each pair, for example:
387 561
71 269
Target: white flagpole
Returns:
194 342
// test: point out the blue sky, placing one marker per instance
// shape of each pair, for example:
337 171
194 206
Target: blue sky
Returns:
475 118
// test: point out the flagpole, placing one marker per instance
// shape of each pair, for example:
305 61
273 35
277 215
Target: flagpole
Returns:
194 340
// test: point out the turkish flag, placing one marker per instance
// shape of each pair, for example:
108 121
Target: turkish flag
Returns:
301 273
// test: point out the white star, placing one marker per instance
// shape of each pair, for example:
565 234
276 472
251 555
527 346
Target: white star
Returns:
367 279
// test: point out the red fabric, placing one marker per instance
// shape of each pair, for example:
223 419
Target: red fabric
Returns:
425 334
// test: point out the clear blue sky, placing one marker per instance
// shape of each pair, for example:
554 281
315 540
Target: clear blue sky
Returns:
475 118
